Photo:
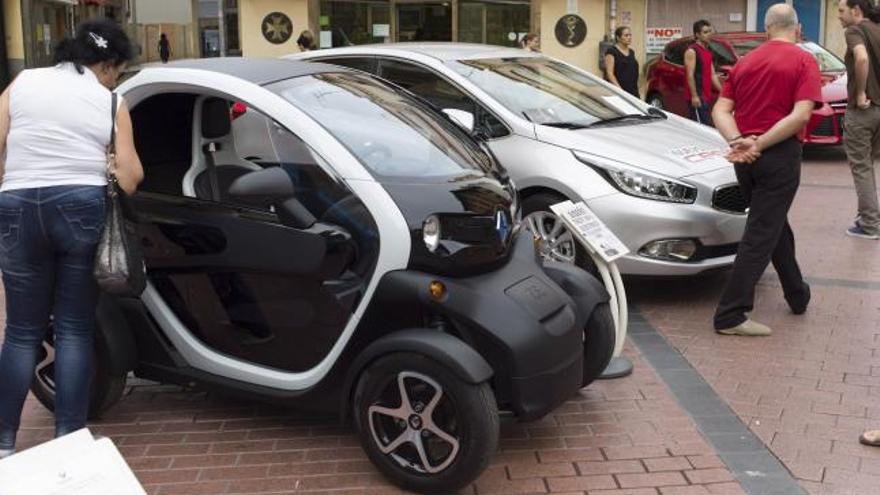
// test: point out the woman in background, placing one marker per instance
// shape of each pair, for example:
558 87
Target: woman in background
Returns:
621 66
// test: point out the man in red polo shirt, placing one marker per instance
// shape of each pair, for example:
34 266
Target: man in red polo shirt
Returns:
763 109
701 76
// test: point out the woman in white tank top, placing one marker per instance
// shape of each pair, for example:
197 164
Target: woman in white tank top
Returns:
55 125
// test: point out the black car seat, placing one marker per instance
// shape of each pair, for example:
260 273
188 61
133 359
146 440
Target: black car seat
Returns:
213 182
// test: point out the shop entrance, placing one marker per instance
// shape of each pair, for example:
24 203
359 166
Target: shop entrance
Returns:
424 21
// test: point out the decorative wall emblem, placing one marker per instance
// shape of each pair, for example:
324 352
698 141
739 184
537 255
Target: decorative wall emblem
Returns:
277 28
571 30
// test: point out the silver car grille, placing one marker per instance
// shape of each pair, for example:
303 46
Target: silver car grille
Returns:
730 199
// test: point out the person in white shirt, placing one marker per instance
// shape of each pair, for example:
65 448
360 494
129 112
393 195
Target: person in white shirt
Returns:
55 127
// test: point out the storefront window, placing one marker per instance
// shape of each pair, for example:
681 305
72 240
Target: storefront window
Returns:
347 22
493 23
49 26
230 23
424 21
354 23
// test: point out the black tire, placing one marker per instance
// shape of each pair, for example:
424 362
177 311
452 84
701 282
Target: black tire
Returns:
106 388
599 339
467 413
541 202
655 100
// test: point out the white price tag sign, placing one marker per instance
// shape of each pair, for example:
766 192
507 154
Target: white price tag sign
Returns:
588 229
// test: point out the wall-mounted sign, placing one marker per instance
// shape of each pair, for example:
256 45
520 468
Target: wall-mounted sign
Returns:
277 28
656 38
570 30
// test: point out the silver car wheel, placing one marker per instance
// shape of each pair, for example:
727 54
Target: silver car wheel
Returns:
555 242
416 427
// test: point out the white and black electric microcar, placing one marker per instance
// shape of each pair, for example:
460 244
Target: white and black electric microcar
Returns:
317 237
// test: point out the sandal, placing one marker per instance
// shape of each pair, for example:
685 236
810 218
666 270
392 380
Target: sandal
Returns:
870 438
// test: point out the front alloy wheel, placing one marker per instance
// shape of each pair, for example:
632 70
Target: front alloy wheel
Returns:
553 239
422 426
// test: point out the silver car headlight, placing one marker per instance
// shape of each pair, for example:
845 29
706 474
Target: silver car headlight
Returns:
645 185
431 232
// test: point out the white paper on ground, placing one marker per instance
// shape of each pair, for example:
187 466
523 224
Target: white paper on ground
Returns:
35 460
588 229
81 466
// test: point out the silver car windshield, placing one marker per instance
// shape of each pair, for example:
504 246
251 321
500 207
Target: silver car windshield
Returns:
545 91
828 62
389 131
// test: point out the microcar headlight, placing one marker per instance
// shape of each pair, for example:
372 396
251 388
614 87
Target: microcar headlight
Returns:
431 232
645 185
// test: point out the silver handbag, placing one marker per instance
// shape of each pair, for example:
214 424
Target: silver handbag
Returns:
119 261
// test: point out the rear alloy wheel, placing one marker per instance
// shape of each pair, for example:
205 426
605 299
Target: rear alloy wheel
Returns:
555 242
422 426
600 336
106 388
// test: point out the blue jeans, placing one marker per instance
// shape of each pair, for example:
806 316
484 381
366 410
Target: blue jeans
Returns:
701 115
48 237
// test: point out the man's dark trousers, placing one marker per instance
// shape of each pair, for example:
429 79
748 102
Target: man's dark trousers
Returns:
769 186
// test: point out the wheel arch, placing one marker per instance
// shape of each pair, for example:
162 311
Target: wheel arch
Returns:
533 190
461 359
113 332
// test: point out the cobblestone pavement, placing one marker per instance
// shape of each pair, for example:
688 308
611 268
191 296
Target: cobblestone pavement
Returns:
806 391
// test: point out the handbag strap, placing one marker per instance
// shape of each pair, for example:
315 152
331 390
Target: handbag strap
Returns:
112 183
112 147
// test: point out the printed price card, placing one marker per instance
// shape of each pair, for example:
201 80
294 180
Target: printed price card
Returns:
588 229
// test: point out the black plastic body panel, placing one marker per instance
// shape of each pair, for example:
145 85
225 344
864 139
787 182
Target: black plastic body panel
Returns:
533 363
114 331
534 360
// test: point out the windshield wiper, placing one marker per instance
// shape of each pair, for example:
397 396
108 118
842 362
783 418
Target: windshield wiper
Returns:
566 125
633 116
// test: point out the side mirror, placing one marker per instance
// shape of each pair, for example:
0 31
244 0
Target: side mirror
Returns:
464 119
273 186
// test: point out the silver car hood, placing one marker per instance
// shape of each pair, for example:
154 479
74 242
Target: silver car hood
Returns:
674 147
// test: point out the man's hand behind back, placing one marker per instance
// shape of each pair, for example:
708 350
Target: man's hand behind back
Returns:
743 150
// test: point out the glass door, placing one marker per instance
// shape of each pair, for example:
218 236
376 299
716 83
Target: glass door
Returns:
493 22
424 21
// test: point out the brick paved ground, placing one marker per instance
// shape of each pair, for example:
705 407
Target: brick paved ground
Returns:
810 389
619 437
806 391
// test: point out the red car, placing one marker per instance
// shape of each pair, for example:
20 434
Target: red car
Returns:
666 80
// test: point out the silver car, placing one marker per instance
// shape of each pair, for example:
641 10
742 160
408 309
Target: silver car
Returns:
658 181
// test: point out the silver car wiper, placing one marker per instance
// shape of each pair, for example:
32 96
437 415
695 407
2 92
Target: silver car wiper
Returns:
566 125
621 118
